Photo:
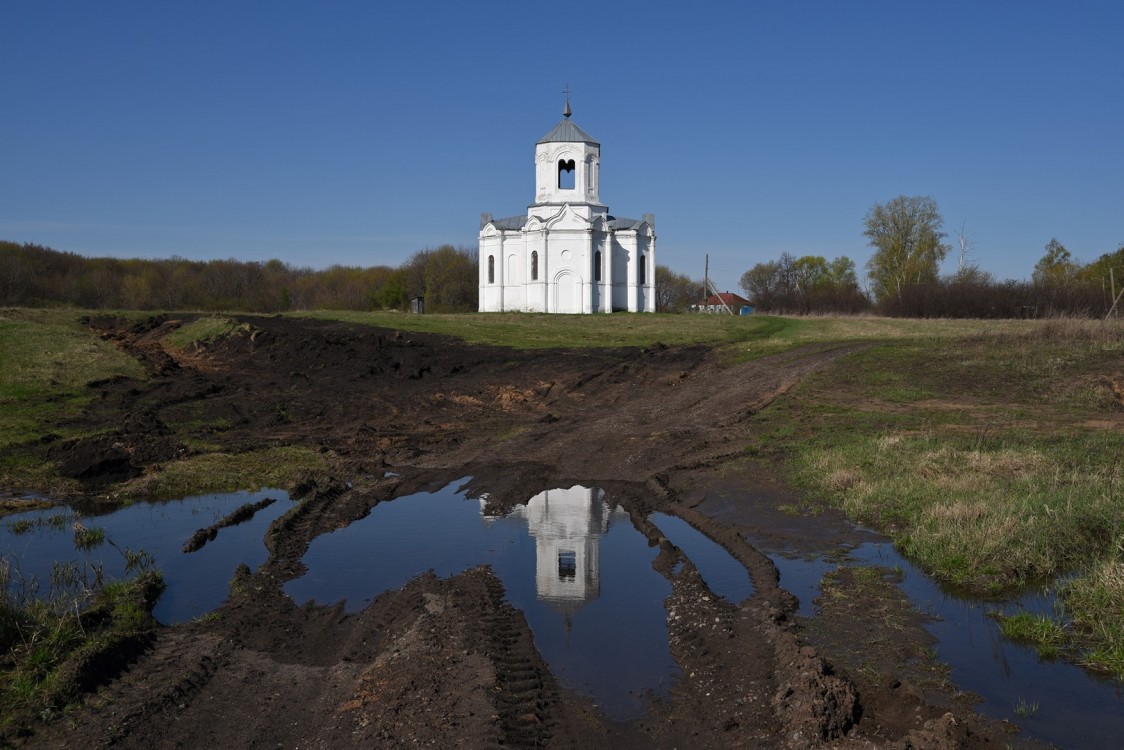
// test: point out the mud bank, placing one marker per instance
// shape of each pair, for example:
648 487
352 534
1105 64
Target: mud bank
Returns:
449 662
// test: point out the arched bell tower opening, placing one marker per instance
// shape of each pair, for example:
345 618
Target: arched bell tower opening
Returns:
567 174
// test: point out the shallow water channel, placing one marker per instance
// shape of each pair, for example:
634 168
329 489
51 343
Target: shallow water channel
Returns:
196 582
1070 707
574 564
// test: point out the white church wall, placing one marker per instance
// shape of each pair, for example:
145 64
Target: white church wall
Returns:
646 291
568 259
623 247
491 273
534 284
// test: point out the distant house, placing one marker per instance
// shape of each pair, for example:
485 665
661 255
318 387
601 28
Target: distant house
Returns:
714 304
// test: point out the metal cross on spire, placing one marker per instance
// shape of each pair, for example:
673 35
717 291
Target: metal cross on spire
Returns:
566 112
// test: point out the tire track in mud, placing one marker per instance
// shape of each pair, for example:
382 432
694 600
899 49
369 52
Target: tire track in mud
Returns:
242 514
524 691
162 682
783 689
762 572
634 420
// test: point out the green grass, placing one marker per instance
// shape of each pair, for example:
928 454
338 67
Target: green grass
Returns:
53 643
44 367
87 538
543 331
46 360
992 458
282 467
1043 633
1026 709
1095 602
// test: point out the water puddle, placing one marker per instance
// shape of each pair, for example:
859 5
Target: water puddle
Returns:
576 566
1074 708
197 583
723 575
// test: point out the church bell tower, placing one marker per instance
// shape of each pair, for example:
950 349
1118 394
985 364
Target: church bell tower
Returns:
568 168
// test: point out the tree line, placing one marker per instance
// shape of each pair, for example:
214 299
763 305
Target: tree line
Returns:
904 274
36 276
809 284
903 271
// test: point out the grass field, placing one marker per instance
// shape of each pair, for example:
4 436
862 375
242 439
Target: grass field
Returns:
760 334
46 359
991 457
542 331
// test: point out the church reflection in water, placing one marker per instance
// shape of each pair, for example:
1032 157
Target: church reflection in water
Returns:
567 525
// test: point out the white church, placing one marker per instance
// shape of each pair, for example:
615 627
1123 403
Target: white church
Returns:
567 254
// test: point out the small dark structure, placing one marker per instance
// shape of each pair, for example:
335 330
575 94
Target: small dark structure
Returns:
417 305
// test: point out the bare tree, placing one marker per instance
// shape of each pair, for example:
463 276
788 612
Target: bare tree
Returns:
965 245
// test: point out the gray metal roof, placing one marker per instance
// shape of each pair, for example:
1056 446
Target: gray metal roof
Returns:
511 222
616 222
567 132
518 222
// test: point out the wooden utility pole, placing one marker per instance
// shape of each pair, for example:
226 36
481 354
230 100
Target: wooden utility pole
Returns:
708 288
706 282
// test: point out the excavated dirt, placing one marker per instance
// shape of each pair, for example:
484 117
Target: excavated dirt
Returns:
448 662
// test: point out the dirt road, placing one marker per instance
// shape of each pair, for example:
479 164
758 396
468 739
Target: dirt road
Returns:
448 662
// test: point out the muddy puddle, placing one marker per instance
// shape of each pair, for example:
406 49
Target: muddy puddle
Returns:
569 559
34 542
1051 701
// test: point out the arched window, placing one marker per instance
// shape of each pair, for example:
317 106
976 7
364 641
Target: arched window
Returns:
534 265
491 269
566 174
641 276
597 266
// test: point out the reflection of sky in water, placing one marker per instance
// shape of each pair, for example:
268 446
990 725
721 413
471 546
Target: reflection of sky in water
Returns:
723 575
579 571
1075 710
196 583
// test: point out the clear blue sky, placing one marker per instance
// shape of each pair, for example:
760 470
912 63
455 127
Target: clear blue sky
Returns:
359 132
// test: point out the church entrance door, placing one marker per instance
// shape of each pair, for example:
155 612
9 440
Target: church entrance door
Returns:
567 293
